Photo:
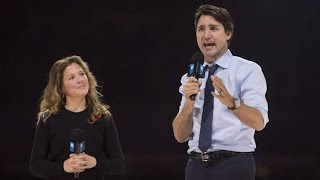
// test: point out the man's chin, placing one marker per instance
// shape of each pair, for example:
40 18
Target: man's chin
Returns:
209 54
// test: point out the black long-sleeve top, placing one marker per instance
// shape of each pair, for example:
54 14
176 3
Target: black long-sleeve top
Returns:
51 146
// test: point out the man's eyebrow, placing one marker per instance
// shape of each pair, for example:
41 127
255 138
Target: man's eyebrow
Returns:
210 25
213 25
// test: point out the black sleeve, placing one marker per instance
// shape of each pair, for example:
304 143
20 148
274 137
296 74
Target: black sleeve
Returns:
113 163
39 164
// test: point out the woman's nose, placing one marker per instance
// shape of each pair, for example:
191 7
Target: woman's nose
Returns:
79 79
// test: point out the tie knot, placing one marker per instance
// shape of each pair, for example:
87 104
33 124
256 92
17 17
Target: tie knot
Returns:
212 68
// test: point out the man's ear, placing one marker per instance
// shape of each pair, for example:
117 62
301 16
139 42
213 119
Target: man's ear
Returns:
228 35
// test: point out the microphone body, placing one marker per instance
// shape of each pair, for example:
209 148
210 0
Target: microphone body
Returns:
76 175
77 144
196 68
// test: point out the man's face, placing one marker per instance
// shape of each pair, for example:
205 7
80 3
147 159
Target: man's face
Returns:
211 38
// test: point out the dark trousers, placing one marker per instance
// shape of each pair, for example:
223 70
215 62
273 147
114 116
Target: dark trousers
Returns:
236 167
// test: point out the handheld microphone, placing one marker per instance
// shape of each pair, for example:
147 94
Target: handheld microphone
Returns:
77 144
196 68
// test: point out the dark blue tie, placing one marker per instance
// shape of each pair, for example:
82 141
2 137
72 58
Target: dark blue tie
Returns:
207 114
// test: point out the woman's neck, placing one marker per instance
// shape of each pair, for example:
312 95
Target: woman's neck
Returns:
75 105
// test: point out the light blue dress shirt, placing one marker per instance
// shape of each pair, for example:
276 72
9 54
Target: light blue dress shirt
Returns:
244 80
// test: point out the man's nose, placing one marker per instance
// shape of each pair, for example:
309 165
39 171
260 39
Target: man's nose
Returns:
207 33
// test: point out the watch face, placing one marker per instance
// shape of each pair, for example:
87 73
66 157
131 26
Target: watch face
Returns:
237 103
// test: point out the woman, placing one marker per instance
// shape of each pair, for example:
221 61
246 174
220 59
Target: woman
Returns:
71 102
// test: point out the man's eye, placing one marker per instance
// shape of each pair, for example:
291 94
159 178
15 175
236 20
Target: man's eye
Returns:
200 29
214 28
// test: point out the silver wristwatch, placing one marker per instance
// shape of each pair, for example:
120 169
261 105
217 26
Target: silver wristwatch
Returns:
236 104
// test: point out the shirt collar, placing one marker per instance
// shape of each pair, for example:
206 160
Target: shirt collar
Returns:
223 61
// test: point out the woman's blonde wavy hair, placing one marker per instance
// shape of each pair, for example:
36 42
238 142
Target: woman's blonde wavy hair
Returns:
53 98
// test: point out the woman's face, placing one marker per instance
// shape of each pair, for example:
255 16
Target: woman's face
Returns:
75 82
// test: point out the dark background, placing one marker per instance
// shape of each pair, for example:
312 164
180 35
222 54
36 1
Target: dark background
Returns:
138 50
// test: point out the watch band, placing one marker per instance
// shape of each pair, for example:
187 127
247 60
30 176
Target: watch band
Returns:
236 104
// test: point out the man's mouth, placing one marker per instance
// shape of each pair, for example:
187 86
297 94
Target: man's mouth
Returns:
207 45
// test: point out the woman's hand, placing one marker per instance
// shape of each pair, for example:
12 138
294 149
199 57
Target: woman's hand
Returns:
79 162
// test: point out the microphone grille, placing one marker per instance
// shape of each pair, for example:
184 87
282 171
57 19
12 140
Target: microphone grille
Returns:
77 135
197 57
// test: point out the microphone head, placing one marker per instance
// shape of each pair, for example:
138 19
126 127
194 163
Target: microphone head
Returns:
197 57
196 68
77 143
77 135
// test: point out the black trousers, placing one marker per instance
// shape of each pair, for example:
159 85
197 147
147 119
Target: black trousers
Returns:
237 167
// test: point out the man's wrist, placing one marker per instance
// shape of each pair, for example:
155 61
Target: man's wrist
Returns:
235 105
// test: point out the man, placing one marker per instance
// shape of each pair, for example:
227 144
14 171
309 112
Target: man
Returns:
236 102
